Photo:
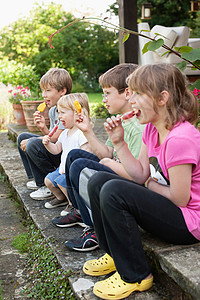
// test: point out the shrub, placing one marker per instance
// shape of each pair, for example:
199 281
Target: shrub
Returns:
17 74
99 111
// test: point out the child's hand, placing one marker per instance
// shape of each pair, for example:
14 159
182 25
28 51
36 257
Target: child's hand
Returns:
39 119
114 129
23 144
46 139
82 122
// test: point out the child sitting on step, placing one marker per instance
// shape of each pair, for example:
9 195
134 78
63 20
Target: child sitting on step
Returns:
70 138
169 164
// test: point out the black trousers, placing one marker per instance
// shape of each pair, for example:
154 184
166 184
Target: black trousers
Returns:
118 207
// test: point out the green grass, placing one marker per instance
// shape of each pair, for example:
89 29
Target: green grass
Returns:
21 242
95 98
1 291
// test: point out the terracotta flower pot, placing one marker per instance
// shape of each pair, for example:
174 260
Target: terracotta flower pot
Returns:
19 114
29 107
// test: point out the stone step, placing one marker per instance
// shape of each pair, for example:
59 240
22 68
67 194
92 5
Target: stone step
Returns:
176 269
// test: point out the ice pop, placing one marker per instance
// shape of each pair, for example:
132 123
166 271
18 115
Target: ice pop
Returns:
41 107
77 107
51 133
128 115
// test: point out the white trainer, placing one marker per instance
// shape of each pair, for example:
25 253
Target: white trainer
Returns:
41 193
32 185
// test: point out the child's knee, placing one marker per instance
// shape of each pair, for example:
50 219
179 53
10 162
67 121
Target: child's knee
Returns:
33 146
48 182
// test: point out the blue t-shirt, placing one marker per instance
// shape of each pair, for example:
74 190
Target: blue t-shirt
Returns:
53 116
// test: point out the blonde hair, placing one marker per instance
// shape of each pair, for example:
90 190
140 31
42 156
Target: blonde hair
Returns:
117 76
153 79
67 101
57 78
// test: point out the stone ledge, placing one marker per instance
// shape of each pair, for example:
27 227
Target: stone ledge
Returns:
177 265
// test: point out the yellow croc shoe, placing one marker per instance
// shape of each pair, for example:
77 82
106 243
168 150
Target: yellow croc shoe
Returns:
115 288
101 266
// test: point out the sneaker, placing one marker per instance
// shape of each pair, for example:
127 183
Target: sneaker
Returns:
67 210
55 203
86 242
71 219
41 193
32 185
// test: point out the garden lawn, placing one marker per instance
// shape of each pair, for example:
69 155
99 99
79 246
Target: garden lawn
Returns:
95 98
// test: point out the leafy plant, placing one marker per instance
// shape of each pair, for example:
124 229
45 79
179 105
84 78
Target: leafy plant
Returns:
1 291
196 92
45 279
85 55
187 54
2 178
19 93
18 74
99 111
21 242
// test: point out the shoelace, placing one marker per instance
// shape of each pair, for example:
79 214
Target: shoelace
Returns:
43 187
87 230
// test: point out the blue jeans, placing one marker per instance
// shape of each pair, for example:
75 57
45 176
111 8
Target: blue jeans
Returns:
37 160
77 160
118 207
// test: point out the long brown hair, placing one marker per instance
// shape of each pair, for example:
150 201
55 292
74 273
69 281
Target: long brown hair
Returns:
153 79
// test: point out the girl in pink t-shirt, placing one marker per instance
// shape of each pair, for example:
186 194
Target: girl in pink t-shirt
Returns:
168 206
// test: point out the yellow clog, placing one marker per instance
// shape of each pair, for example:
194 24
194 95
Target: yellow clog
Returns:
115 288
101 266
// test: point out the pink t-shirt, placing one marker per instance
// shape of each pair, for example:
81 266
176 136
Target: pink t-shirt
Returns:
181 146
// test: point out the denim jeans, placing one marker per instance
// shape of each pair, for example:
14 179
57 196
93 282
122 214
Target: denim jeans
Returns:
37 160
118 207
77 160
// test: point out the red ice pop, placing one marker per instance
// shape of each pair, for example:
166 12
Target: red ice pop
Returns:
128 115
51 133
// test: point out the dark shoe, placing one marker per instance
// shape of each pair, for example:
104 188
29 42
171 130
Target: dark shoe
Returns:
71 219
86 242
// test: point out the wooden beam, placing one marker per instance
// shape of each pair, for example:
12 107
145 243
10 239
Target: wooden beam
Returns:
128 51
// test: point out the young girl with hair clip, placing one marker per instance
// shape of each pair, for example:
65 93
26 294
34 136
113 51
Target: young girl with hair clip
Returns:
70 138
169 166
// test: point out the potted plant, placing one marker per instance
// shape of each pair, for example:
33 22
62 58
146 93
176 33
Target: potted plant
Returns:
29 106
25 104
15 96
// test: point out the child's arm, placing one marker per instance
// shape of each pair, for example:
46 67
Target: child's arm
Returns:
180 185
39 120
138 170
97 147
51 147
116 166
86 147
